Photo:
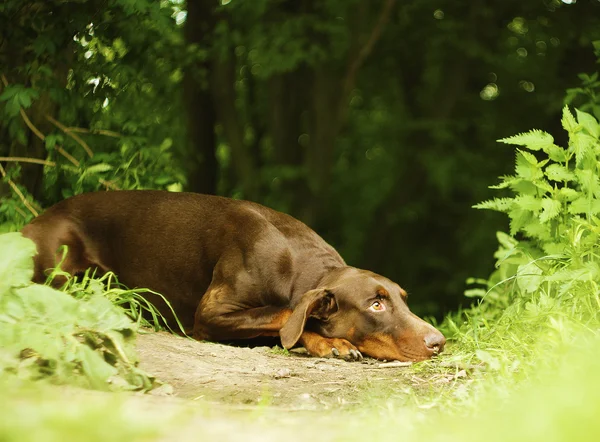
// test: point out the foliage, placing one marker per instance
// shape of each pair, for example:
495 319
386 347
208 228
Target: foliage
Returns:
587 96
74 92
545 288
46 333
134 302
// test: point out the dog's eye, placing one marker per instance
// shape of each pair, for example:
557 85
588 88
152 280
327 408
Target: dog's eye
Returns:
377 306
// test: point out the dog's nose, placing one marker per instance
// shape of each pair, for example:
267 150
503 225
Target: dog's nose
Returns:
435 342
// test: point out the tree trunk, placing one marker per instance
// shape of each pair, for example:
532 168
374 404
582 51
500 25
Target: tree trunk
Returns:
223 78
288 102
329 109
200 158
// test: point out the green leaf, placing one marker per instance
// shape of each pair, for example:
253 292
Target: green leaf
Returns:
524 187
567 194
551 248
527 166
10 91
506 241
163 179
95 367
529 157
16 261
499 204
26 97
544 185
528 202
535 229
556 153
62 308
557 172
99 168
584 205
505 182
475 293
12 108
99 313
589 181
583 147
550 209
529 277
589 123
52 140
568 121
533 140
519 219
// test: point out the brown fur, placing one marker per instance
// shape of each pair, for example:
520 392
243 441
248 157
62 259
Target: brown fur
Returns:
233 270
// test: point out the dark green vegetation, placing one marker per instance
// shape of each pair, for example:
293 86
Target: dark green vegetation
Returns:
374 121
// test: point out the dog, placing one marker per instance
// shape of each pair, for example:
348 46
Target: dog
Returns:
233 270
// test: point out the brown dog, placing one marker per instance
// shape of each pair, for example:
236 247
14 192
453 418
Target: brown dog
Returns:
245 270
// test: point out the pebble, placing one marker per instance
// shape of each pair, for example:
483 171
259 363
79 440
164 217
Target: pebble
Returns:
283 373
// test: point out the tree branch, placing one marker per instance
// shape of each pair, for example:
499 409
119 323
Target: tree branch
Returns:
76 137
18 192
108 133
28 160
363 53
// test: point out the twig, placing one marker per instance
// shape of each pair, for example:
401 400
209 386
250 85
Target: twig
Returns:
76 137
23 214
42 137
28 160
108 133
67 155
18 192
462 366
30 125
108 184
394 364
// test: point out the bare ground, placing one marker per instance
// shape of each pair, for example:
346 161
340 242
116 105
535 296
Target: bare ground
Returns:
226 393
243 377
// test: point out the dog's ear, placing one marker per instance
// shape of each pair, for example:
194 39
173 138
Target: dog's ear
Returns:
318 303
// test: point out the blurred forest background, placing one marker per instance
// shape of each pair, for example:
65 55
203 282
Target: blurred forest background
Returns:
374 121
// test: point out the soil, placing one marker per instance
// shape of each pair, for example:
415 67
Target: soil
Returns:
263 375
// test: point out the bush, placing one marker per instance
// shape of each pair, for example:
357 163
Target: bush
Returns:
545 287
49 334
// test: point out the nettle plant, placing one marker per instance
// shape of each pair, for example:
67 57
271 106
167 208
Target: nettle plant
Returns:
552 253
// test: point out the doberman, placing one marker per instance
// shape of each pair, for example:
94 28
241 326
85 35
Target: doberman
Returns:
245 270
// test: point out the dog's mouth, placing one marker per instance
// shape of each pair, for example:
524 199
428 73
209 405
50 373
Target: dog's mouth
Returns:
406 349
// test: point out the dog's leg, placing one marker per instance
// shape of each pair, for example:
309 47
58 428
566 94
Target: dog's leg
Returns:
323 347
49 237
218 319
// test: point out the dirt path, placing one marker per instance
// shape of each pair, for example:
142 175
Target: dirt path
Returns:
247 377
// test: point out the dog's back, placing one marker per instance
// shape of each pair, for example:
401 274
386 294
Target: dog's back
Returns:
172 242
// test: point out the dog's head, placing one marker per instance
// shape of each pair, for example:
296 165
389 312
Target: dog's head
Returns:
369 311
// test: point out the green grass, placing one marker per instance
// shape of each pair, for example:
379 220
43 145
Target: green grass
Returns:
40 412
276 350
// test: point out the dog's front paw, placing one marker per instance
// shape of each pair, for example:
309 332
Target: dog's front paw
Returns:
322 347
